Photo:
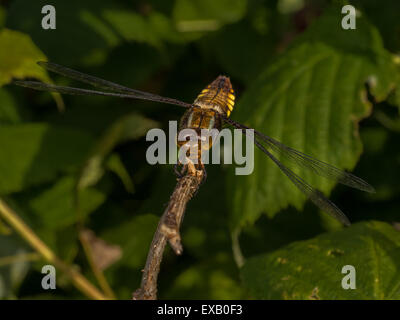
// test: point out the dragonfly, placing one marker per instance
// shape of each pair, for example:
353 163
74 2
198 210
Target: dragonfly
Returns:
211 109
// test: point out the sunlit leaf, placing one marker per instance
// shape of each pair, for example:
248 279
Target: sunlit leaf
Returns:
312 269
19 60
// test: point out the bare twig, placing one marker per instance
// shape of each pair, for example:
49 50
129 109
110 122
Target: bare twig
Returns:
168 230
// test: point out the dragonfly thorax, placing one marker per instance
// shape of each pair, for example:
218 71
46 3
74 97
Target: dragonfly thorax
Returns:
217 98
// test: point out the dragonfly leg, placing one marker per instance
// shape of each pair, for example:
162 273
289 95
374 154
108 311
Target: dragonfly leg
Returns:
191 169
176 169
203 169
180 172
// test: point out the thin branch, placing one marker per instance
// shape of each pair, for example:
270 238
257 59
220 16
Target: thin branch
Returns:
80 282
168 230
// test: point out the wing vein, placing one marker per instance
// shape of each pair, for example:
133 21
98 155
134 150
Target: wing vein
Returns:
121 91
307 162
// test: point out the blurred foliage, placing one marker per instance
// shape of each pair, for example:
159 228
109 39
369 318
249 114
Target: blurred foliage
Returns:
73 162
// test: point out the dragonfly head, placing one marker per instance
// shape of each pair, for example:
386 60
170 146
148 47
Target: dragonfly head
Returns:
222 82
218 95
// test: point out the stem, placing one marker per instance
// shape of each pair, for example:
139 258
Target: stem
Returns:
98 273
237 252
80 282
167 230
21 257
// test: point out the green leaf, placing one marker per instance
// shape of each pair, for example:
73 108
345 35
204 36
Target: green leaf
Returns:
126 128
134 238
199 16
32 154
312 269
116 165
152 29
311 99
54 207
19 60
8 109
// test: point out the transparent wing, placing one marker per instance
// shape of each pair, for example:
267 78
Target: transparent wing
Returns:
121 91
264 142
313 194
92 80
300 159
